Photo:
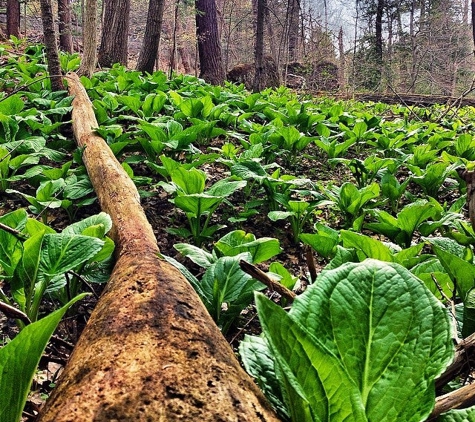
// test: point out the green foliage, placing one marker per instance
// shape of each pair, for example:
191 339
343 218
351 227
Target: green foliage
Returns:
36 259
19 359
270 153
462 415
400 229
351 200
349 356
188 188
224 288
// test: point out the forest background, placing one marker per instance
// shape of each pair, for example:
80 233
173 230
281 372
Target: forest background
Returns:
411 46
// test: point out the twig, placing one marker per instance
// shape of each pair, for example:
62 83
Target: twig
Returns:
458 100
240 331
83 280
12 312
464 356
260 275
311 264
452 306
459 399
20 88
405 104
13 231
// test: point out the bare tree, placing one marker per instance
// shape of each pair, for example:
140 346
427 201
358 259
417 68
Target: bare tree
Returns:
13 18
293 14
151 40
54 67
115 32
65 26
259 80
209 44
89 39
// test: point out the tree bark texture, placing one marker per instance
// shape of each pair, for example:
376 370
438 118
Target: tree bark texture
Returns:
151 40
259 79
473 24
65 26
115 33
54 67
209 45
89 37
13 18
150 351
293 18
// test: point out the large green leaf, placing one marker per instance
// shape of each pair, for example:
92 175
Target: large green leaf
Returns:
365 342
10 245
461 272
79 227
63 252
390 333
316 385
227 289
197 204
239 241
11 105
259 363
366 246
19 359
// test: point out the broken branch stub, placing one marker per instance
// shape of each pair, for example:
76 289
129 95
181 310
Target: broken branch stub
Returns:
150 351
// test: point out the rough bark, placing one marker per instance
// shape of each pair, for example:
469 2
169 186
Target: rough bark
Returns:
293 14
89 39
150 351
65 26
13 18
115 33
209 45
259 80
151 40
54 67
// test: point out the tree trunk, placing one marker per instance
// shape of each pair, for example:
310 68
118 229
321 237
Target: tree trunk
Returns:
13 18
150 351
65 26
89 39
115 33
379 42
151 39
259 77
54 67
293 11
209 45
341 53
473 24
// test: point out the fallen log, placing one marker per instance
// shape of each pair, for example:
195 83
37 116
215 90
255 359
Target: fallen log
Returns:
150 351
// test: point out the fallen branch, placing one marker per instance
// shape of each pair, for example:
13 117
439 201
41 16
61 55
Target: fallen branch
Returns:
150 351
459 399
463 361
274 286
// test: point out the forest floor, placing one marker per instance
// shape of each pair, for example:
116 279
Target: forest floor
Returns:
161 214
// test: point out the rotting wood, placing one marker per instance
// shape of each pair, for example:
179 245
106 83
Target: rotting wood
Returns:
150 351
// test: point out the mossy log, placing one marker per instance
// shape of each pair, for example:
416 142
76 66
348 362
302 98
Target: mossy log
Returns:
150 351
